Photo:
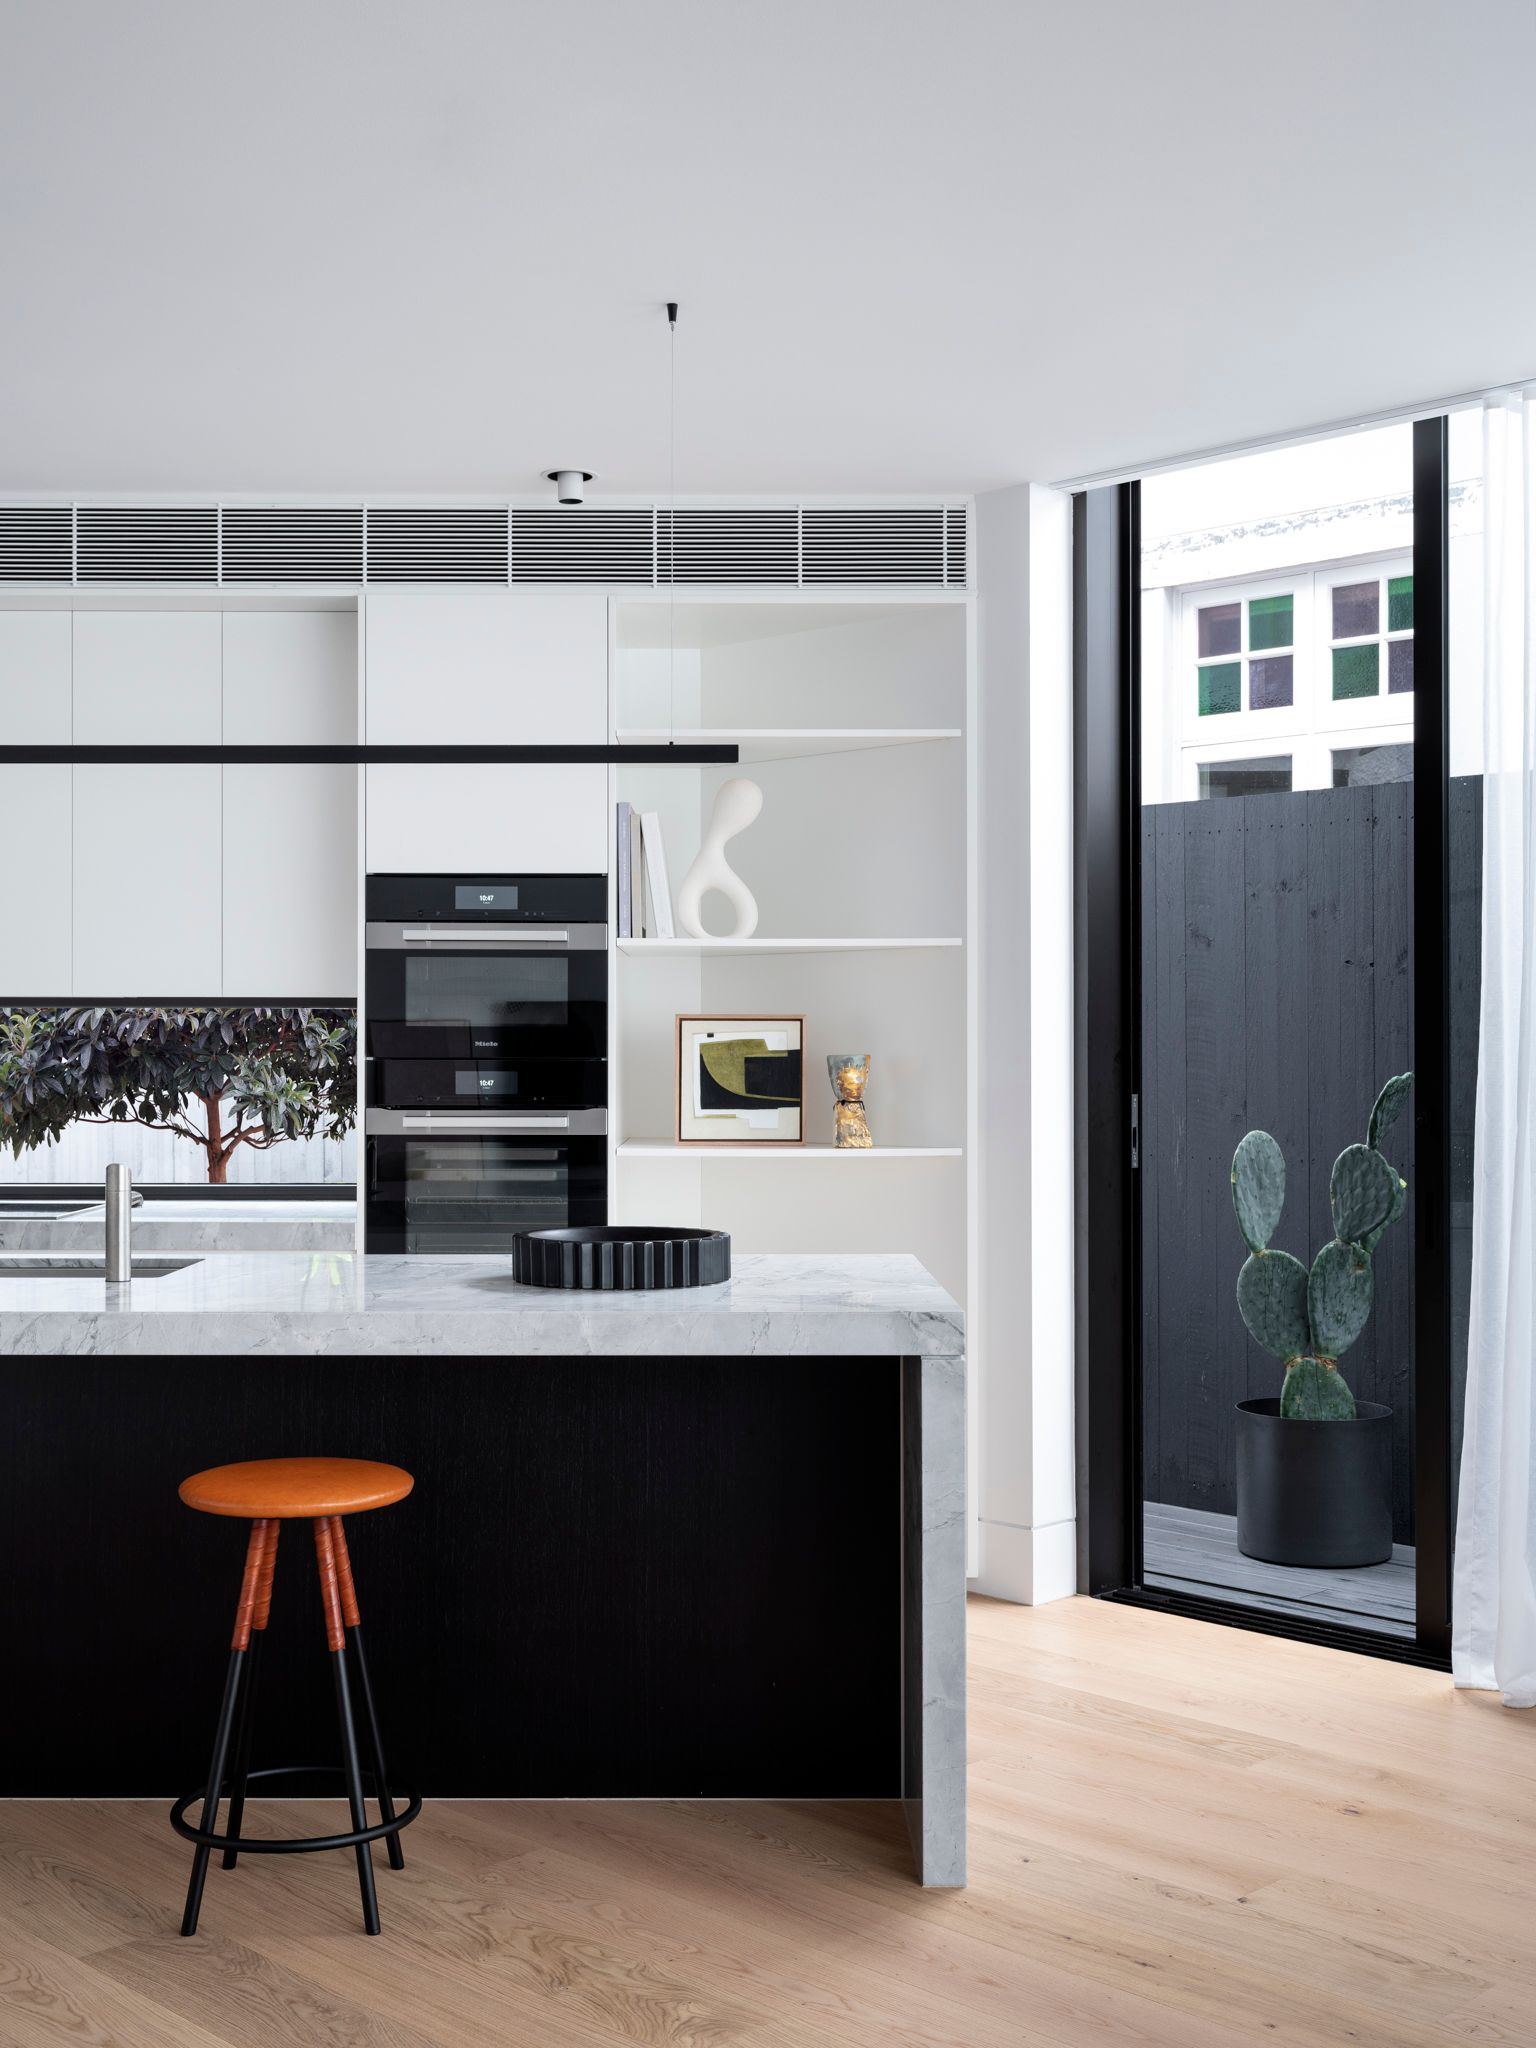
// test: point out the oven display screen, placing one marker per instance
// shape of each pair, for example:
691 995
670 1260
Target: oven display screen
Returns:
485 896
486 1082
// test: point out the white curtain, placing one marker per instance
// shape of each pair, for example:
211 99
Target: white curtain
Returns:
1494 1631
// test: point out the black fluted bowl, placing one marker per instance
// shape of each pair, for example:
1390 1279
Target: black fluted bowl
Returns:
617 1258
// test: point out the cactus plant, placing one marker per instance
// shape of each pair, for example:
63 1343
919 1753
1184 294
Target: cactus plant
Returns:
1309 1319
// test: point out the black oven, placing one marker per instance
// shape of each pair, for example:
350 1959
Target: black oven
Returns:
486 1008
493 969
440 1181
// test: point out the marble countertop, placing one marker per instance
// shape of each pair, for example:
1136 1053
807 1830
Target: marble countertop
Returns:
285 1303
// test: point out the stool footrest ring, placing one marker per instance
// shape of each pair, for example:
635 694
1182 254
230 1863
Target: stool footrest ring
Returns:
267 1845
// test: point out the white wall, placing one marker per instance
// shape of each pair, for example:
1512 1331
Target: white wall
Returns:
1025 1475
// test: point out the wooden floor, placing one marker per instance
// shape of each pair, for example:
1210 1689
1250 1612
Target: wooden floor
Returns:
1183 1836
1192 1551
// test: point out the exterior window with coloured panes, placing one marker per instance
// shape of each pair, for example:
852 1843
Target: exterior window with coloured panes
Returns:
1277 633
1305 686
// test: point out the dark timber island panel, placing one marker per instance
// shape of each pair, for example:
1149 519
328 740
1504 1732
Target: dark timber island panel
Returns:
617 1577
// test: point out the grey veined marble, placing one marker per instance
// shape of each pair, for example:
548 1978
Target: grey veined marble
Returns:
343 1303
212 1227
290 1304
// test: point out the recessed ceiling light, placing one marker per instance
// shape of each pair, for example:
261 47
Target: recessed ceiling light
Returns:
569 484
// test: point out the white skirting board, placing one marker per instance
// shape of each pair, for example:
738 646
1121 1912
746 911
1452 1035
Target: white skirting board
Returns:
1028 1566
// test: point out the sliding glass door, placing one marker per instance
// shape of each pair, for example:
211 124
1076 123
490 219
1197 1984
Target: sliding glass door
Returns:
1275 849
1269 836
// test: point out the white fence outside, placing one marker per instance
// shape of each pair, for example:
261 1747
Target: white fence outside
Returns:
154 1158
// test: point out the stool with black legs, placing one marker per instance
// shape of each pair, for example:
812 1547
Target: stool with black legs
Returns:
269 1492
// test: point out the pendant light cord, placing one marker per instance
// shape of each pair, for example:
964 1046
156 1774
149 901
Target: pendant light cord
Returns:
672 522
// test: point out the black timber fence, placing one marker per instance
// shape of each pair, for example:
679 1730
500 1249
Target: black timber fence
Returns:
1277 994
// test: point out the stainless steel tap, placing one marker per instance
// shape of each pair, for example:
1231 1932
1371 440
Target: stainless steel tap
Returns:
119 1223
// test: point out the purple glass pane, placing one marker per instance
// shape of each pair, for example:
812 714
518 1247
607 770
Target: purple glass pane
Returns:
1269 683
1221 629
1356 609
1399 665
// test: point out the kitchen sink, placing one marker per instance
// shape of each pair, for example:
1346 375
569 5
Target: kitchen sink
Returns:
61 1268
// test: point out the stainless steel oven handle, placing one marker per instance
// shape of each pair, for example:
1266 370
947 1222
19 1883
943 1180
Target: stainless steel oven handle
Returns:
455 1121
477 935
486 938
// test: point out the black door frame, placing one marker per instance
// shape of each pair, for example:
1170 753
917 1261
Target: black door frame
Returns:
1106 647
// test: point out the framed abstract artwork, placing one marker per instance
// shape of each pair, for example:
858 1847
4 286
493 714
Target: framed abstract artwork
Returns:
740 1080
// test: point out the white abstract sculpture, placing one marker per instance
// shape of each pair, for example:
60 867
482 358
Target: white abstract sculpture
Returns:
737 804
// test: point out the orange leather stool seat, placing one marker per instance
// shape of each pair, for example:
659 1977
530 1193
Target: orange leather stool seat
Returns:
293 1489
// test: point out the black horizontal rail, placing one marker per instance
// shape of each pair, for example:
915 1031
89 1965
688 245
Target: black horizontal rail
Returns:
368 757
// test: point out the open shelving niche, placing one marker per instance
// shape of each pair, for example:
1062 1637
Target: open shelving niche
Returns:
852 717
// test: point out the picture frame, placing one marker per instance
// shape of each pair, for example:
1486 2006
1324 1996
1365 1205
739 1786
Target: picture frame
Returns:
751 1092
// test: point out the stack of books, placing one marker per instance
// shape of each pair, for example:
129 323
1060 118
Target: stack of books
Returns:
645 895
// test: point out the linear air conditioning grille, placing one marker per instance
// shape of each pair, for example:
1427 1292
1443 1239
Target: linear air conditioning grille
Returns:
437 544
146 544
36 543
586 544
293 544
728 544
954 545
872 544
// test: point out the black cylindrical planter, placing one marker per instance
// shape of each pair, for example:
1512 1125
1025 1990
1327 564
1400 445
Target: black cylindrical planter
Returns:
1314 1493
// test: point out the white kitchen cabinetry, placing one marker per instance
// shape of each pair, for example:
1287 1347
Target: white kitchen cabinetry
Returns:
143 678
34 881
487 668
491 817
147 868
34 679
290 678
290 893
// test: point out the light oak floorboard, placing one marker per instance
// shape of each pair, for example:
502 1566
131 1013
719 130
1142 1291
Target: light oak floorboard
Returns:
1182 1837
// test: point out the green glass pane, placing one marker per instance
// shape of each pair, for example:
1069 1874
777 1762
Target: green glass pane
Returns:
1355 671
1399 603
1221 687
1269 621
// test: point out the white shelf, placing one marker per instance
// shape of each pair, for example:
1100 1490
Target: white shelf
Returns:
679 946
758 743
663 1148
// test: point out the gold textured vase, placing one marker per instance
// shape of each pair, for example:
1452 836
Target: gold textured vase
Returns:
849 1075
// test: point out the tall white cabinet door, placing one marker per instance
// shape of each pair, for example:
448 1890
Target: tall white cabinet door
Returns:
494 818
34 881
494 668
290 894
34 679
290 679
147 863
143 678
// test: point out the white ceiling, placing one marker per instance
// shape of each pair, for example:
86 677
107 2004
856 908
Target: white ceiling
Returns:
422 245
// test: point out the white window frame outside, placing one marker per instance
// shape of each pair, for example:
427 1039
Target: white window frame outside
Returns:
1383 708
1313 724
